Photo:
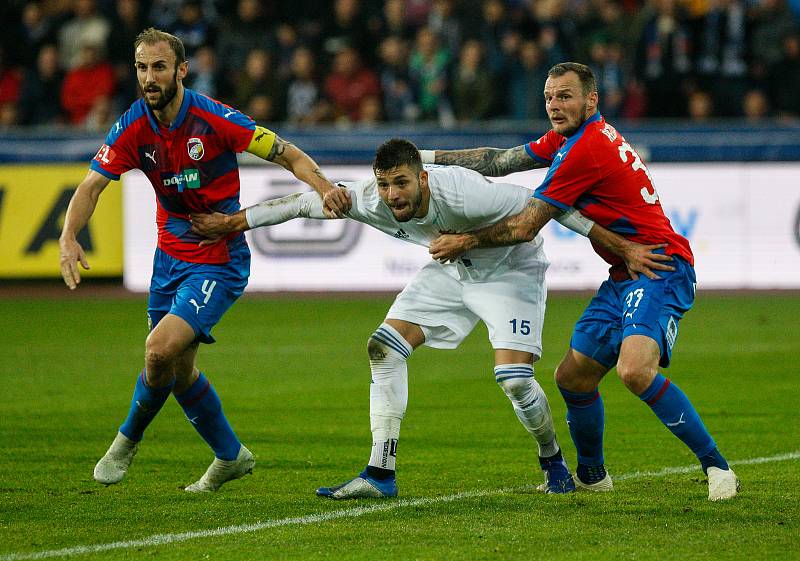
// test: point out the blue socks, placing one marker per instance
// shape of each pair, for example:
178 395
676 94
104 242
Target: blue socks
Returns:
586 420
204 410
145 405
678 414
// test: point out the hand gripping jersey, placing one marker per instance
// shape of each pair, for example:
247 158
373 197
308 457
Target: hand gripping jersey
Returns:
461 200
602 176
191 165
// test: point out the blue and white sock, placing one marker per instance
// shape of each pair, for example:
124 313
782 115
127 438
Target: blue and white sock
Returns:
388 397
678 414
145 405
530 404
586 421
204 410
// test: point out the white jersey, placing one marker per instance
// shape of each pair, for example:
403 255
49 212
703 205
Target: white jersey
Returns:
461 200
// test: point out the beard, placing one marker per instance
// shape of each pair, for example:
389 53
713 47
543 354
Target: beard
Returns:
413 207
167 94
573 128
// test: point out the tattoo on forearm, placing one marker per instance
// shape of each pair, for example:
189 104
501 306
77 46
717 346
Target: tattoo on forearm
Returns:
278 148
518 228
493 162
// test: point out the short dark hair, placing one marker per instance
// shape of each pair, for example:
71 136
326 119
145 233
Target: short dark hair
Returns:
585 74
395 153
151 36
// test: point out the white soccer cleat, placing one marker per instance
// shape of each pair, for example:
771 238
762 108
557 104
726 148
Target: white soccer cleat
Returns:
113 466
603 486
222 471
722 484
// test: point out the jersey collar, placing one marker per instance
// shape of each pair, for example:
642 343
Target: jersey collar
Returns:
187 94
593 119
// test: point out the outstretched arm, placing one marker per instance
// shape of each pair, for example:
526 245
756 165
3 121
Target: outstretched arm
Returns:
519 228
335 199
80 209
268 213
492 162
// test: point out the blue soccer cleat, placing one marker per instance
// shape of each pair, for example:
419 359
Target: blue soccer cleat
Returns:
557 478
361 487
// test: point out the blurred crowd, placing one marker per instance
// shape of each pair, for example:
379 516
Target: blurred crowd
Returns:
307 62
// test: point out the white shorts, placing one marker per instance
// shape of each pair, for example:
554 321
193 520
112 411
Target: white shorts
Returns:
510 303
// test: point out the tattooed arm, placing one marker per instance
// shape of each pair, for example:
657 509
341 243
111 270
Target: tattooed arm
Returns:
515 229
336 201
492 162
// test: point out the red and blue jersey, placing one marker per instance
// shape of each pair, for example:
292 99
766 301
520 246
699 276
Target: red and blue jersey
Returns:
192 166
597 172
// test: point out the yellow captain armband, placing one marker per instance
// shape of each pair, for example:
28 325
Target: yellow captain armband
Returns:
262 142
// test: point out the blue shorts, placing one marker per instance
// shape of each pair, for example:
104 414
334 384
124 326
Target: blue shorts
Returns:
643 307
196 292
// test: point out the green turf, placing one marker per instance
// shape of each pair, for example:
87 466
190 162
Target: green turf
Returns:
293 377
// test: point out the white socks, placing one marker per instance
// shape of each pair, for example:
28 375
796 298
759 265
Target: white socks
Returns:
530 404
388 393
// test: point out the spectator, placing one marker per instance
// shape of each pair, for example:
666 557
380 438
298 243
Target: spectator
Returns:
528 76
258 80
784 79
244 32
473 86
286 42
36 31
127 21
87 86
10 87
398 94
721 44
85 26
304 102
772 21
606 63
444 21
346 27
429 76
349 84
38 104
392 21
755 106
164 13
203 78
193 27
701 106
663 60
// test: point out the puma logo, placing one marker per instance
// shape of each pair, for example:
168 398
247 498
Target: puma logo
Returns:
229 113
196 305
680 421
151 156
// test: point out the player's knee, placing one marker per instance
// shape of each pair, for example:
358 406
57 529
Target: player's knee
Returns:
160 359
376 349
517 389
636 375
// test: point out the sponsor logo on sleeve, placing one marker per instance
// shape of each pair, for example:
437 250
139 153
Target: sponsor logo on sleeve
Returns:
105 155
195 148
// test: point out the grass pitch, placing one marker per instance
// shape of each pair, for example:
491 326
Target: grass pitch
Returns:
293 377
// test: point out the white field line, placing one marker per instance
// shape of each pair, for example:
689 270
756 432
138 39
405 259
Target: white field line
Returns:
354 512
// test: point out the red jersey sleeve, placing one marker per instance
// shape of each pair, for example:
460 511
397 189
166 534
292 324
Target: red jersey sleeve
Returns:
544 149
573 172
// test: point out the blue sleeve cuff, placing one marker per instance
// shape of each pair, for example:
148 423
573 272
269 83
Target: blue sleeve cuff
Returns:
96 167
555 203
536 156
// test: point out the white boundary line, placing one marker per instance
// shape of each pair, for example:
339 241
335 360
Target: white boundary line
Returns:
163 539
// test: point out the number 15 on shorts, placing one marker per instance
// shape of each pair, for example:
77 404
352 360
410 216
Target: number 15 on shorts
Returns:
521 326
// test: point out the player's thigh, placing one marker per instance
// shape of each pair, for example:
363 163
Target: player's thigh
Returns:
653 309
433 300
512 305
579 373
597 334
198 294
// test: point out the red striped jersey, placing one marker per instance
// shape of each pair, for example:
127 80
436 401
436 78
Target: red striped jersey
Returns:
191 165
596 171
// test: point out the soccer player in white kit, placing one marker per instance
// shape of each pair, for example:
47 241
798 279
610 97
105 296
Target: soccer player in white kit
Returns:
503 286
